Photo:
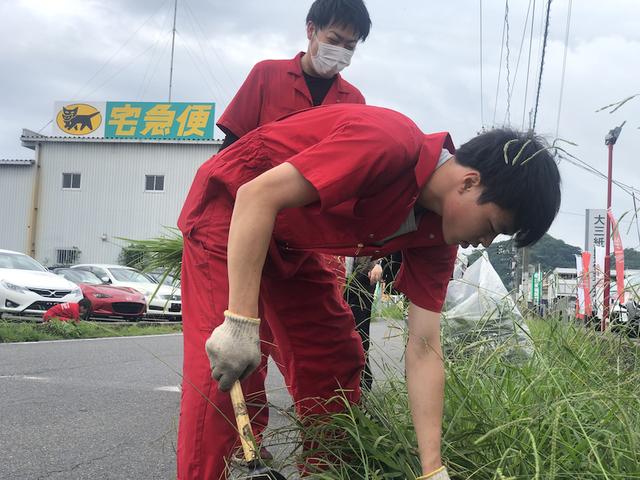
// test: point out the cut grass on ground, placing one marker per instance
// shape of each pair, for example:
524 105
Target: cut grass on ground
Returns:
57 330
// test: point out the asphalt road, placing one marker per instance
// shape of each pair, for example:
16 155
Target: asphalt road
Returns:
108 408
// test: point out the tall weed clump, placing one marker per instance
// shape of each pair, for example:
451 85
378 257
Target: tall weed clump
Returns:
570 411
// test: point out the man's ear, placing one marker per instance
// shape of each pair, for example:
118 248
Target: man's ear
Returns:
310 29
470 179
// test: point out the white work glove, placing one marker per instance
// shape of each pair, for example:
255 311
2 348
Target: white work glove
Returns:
234 349
439 474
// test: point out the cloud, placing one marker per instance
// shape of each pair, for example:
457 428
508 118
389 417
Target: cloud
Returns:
422 58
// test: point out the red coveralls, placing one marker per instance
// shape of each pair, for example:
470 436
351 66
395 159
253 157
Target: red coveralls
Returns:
272 89
63 311
368 165
275 88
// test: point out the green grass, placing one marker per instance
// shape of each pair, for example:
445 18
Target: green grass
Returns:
571 411
57 330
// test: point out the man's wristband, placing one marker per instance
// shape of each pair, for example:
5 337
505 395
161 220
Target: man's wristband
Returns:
438 474
240 318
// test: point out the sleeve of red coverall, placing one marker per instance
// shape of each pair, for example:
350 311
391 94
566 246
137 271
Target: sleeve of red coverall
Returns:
425 273
354 161
243 113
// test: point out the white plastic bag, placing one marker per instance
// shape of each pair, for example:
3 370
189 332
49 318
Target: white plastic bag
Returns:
479 314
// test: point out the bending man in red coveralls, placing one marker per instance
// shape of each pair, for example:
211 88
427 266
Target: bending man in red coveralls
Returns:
68 311
275 88
349 180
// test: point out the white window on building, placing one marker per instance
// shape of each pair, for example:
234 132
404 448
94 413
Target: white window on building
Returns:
154 183
71 181
67 256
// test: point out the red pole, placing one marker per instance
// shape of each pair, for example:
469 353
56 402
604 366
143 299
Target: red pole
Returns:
610 140
607 248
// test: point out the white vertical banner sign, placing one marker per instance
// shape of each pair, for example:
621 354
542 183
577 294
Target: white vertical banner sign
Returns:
598 286
595 228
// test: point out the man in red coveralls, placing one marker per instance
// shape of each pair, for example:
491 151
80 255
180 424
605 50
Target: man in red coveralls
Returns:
68 311
346 180
278 87
275 88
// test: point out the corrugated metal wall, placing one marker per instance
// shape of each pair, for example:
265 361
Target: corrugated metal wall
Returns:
16 186
112 201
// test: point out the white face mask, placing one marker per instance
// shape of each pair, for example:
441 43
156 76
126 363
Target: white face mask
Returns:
330 59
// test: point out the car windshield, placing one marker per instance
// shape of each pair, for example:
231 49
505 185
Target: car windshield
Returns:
127 275
18 261
171 281
81 276
166 279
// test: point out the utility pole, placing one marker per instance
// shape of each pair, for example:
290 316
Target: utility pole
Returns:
610 140
173 44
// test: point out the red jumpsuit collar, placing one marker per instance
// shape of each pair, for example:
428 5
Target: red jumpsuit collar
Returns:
432 145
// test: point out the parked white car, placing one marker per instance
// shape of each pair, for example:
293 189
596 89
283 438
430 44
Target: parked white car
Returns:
162 300
26 287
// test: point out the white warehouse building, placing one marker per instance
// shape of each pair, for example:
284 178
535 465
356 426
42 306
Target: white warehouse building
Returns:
80 195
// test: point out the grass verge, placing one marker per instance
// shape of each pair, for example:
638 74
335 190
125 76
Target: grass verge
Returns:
570 411
57 330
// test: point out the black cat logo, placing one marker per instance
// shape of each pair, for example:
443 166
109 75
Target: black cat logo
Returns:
78 119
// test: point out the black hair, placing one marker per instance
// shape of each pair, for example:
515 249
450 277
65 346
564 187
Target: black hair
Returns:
347 13
520 175
85 303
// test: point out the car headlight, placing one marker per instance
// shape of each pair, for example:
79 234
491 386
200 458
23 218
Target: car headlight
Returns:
76 291
11 286
102 295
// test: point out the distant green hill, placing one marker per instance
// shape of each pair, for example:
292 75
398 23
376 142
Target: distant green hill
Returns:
549 252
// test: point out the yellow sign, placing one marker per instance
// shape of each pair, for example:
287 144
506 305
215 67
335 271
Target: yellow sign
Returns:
78 119
177 120
125 119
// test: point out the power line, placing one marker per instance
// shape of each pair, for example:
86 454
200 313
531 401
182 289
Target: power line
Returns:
628 189
212 48
495 106
150 66
544 49
163 47
104 65
576 214
526 87
635 214
195 24
124 67
122 47
481 89
506 19
195 62
515 75
564 66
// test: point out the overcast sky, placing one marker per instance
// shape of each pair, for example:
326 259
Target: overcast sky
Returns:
422 58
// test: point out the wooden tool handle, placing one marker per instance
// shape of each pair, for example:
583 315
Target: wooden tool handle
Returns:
244 424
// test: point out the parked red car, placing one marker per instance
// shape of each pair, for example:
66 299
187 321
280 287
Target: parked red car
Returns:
106 300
